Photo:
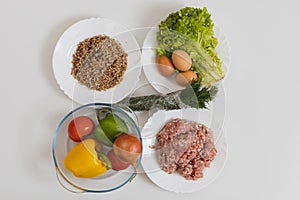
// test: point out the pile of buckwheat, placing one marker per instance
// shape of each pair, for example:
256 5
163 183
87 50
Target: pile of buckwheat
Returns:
99 62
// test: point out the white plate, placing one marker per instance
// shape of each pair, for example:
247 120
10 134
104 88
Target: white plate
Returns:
174 182
168 84
67 45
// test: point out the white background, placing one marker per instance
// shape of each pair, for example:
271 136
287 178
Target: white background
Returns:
262 96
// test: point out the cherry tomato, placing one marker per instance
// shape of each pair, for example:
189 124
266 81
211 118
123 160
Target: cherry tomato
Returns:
80 127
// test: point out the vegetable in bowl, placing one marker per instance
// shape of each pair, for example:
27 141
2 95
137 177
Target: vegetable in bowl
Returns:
191 30
85 166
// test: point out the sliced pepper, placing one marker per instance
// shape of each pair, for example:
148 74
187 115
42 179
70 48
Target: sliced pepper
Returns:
105 160
83 160
111 125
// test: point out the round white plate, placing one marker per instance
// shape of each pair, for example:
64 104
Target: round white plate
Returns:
164 84
174 182
66 46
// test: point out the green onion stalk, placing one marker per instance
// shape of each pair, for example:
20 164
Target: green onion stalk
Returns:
194 95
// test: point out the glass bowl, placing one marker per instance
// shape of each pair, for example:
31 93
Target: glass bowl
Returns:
62 144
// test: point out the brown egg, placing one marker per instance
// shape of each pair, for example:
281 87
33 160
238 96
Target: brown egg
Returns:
184 78
181 60
165 66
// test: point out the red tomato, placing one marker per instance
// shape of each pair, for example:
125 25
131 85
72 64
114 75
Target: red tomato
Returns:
80 127
116 163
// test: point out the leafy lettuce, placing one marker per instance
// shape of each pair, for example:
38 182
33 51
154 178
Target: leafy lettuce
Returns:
191 29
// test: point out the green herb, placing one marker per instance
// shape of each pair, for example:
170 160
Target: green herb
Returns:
191 30
195 96
199 96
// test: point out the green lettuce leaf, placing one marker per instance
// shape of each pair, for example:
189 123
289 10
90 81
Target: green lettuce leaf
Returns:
191 29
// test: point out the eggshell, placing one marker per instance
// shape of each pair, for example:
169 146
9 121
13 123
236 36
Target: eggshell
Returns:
181 60
165 66
184 78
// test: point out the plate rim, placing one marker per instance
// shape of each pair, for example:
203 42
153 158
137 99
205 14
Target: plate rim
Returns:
137 66
221 138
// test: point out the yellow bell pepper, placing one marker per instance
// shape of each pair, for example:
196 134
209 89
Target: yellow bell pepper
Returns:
83 160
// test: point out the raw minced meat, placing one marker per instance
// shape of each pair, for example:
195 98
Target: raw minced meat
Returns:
186 147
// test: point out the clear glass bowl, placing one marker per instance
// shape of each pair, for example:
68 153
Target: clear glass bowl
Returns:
62 144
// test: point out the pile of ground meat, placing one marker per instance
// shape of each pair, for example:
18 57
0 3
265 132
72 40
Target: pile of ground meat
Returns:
186 147
99 62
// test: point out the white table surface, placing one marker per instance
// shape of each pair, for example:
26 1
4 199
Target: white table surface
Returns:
262 96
